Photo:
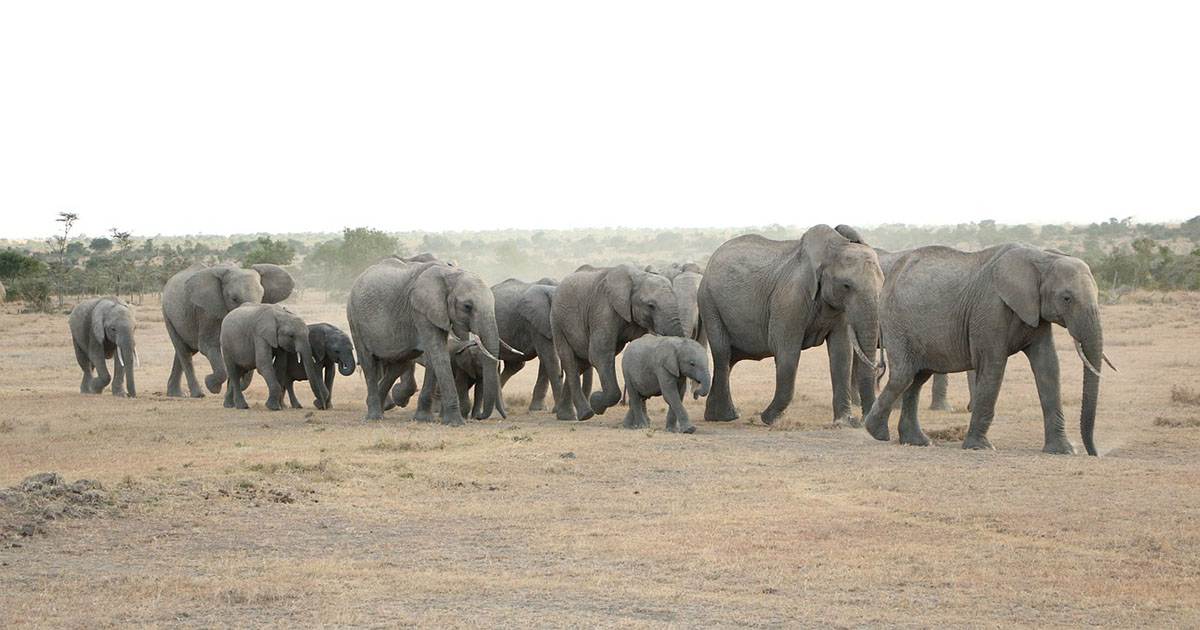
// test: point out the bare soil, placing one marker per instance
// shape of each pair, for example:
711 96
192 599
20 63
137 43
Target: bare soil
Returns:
208 518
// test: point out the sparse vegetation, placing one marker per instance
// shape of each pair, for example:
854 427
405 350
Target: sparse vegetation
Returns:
1182 395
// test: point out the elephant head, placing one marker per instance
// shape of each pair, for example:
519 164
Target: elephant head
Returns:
644 299
689 359
222 288
1047 285
461 304
843 272
281 329
112 325
329 342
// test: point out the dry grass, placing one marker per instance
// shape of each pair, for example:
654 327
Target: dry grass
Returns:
303 518
1184 395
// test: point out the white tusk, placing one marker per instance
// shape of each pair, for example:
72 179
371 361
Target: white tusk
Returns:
511 349
137 363
479 342
859 351
1105 357
1086 363
120 359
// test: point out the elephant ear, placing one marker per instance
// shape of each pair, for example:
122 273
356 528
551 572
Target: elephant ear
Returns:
618 288
1017 281
96 318
534 307
205 290
277 283
850 234
317 341
815 245
266 326
669 356
430 295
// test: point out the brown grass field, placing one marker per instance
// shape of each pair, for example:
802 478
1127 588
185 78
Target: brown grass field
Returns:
210 517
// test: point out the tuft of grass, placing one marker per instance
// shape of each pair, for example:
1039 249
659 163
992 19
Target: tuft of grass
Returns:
291 465
951 434
522 438
1184 395
6 426
1177 423
404 446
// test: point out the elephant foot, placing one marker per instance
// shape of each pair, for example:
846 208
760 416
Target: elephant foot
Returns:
297 405
537 405
273 406
587 415
453 421
633 423
596 402
423 415
687 428
878 429
228 404
769 416
720 413
852 422
565 414
940 405
242 405
915 439
977 443
373 414
213 383
1058 446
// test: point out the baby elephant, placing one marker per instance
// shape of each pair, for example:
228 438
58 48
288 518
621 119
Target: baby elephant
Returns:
662 365
100 328
330 346
251 335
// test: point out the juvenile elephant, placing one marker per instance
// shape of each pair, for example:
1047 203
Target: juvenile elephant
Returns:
950 311
653 366
333 352
473 370
100 328
763 298
523 315
593 315
195 301
399 311
252 336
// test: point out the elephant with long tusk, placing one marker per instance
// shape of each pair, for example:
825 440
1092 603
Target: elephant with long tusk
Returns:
951 311
102 328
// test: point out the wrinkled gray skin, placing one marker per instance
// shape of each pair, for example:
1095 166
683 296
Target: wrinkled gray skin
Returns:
333 353
251 337
593 315
194 302
941 401
399 311
406 386
523 315
764 298
102 328
950 311
654 366
473 369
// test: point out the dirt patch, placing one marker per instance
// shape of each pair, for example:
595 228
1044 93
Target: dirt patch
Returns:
26 507
950 434
1177 423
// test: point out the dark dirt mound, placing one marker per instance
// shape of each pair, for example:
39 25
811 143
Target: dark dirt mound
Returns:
951 434
26 507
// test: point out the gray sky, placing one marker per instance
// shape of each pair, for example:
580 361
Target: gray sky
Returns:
221 117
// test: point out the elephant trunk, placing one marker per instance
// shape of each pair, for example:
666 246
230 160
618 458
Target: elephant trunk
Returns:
484 326
128 355
313 371
667 321
345 362
1090 337
864 336
703 380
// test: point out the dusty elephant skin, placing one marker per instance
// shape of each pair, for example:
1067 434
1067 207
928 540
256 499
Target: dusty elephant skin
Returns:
950 311
523 316
195 301
252 336
654 366
596 311
399 311
763 298
333 353
102 328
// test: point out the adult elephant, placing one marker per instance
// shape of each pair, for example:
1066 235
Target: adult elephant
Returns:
253 336
101 328
523 317
594 314
950 311
764 298
195 301
399 311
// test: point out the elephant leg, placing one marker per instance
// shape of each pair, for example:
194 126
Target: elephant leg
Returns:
85 364
439 360
402 393
786 361
586 376
941 401
387 373
1043 359
570 365
602 356
118 377
719 405
970 387
102 378
466 398
636 417
548 363
910 428
182 366
234 398
989 375
330 372
673 390
899 379
855 376
841 364
212 351
266 367
370 368
425 398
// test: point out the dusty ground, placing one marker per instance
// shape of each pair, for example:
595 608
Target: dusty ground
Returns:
209 517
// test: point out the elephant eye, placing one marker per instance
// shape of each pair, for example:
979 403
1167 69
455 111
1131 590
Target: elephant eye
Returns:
651 306
846 285
1067 299
467 307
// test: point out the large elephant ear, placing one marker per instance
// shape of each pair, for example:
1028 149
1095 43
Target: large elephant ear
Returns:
266 325
277 283
430 295
618 288
850 234
669 357
534 307
96 317
816 244
316 339
1018 282
204 289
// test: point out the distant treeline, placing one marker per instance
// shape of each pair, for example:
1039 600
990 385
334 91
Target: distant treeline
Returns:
1121 253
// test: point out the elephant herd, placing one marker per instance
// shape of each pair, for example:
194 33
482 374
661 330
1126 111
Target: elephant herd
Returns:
932 310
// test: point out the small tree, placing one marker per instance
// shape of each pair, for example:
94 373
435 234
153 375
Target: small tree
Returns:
269 251
61 241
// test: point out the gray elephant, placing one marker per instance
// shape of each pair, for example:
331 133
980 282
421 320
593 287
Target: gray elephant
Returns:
252 336
101 328
333 352
195 301
950 311
654 366
593 315
473 369
399 311
763 298
523 315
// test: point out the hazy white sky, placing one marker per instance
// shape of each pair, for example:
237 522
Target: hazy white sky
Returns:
221 117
